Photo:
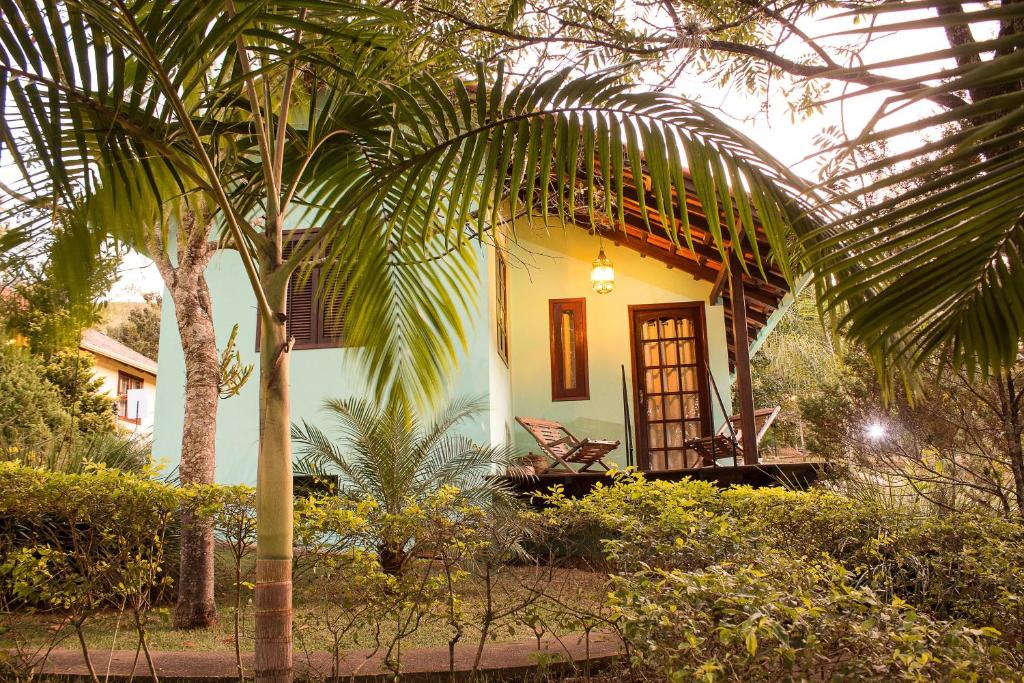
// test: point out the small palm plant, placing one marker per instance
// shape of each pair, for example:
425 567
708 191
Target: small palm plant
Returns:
397 458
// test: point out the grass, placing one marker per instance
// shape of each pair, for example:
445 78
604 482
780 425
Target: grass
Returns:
562 587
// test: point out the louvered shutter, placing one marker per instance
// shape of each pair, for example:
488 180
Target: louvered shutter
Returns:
313 321
332 316
300 309
300 313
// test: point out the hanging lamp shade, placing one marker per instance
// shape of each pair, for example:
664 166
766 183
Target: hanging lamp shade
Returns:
602 275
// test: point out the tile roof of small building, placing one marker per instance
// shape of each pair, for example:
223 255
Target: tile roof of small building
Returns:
96 342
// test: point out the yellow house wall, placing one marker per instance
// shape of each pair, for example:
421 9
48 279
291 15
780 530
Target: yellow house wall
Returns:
555 263
107 369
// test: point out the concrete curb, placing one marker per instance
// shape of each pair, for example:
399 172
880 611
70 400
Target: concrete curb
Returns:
500 661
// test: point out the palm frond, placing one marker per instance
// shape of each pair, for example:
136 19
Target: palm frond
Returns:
932 254
390 455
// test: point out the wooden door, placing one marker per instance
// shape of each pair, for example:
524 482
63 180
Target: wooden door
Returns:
670 383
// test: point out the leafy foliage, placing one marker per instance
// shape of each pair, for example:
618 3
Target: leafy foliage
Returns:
932 254
45 312
791 619
675 540
399 460
82 395
31 410
140 331
400 137
75 544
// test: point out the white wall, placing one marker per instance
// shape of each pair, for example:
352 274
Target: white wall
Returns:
106 369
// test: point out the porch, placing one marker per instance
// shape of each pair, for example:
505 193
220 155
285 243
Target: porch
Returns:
797 475
659 360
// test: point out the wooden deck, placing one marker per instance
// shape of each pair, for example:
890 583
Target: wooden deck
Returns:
576 484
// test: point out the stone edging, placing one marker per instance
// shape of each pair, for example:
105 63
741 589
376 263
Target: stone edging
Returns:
500 661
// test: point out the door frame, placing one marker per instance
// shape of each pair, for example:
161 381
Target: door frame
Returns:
704 391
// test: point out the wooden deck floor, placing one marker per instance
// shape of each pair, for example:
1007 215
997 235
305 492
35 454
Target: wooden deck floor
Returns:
575 484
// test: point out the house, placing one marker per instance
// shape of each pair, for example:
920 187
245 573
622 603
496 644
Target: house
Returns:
652 360
127 375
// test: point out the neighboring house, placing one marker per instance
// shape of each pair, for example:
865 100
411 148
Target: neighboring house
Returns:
127 375
660 347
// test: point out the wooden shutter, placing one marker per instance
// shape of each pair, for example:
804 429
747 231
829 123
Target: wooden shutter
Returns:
332 317
313 321
501 305
301 287
570 379
301 321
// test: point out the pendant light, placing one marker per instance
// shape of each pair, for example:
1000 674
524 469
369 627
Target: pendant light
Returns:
602 275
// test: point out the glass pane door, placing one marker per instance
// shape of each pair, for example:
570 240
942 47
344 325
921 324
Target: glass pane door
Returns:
670 377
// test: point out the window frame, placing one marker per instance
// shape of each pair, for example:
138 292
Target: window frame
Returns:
122 398
317 341
501 306
559 392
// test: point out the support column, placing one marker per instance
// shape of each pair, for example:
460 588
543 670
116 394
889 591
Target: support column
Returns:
744 384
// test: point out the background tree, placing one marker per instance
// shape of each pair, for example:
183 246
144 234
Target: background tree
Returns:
140 331
263 110
41 309
878 264
31 414
82 395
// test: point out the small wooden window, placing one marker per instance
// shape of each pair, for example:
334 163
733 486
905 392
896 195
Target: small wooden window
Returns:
569 368
315 321
501 294
126 382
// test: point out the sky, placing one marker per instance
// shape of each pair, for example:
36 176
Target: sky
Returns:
791 141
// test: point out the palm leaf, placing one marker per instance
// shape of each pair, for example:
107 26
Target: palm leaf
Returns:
930 256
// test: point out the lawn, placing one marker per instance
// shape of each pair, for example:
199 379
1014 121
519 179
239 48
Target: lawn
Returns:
575 588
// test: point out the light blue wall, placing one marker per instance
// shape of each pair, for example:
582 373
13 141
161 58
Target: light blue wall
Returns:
316 374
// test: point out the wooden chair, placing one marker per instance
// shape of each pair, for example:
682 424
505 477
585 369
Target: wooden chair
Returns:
724 444
559 444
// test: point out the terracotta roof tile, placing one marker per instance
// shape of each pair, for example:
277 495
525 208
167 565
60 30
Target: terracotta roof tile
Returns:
100 344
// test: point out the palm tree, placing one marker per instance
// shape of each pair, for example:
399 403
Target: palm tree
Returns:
397 459
928 260
359 114
929 254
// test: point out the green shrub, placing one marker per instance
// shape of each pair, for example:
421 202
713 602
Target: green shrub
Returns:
786 619
807 522
636 521
81 541
955 567
30 407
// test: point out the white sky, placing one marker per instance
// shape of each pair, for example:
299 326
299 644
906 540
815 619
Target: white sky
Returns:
790 141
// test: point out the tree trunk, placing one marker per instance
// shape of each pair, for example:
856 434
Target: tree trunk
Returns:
274 497
1013 425
181 258
196 607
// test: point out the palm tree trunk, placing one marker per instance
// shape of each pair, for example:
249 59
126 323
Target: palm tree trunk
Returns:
274 499
196 607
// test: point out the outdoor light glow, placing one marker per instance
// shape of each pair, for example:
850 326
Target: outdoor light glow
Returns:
875 431
602 277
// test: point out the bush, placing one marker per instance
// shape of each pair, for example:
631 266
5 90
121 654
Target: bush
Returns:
81 539
79 543
30 407
958 567
636 521
786 619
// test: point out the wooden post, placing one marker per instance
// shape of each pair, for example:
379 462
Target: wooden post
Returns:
744 385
